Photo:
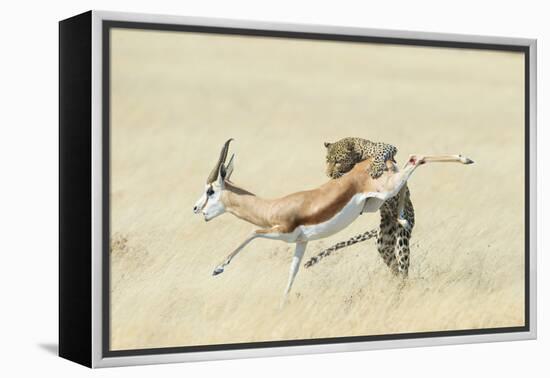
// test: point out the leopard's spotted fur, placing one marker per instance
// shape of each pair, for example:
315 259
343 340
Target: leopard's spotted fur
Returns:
356 239
344 154
393 238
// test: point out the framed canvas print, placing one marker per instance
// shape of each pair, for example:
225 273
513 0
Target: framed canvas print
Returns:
238 189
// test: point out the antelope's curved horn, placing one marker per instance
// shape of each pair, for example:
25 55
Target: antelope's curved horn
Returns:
223 155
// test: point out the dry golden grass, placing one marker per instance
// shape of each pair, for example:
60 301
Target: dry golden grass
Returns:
176 97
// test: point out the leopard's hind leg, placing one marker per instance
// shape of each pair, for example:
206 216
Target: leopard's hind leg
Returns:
403 235
387 237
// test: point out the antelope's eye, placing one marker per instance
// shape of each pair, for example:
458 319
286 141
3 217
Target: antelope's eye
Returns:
210 191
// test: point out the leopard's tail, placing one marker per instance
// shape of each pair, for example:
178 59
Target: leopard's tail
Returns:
343 244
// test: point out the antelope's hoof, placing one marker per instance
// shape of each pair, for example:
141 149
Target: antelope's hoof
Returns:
465 160
217 271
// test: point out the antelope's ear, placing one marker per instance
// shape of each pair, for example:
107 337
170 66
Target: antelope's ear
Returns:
221 176
229 167
327 144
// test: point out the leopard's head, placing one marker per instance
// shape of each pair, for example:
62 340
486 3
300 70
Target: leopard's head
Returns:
341 158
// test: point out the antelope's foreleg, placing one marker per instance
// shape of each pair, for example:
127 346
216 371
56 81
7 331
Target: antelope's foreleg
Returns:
294 266
219 269
265 233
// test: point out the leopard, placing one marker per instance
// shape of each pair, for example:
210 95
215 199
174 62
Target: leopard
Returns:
397 215
344 154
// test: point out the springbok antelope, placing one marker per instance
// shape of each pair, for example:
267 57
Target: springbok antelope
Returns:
308 215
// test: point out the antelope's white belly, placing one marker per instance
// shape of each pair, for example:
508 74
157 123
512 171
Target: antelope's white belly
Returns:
339 221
